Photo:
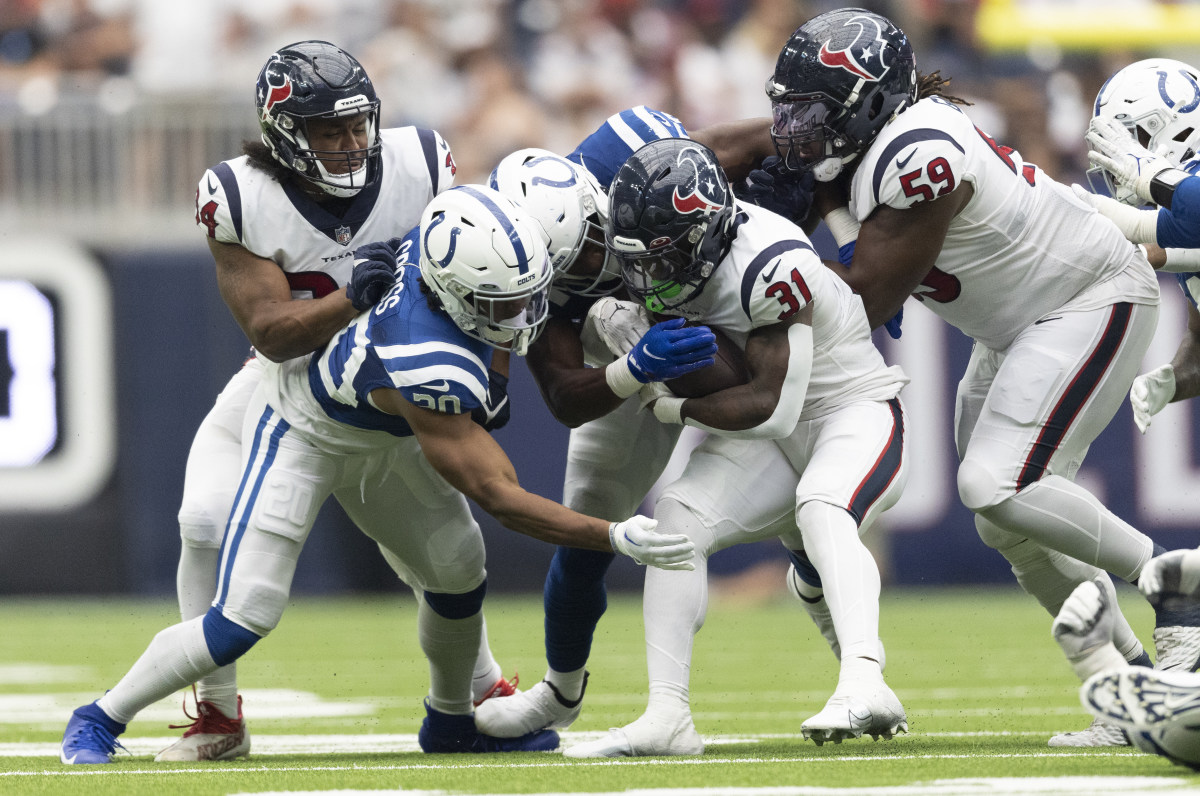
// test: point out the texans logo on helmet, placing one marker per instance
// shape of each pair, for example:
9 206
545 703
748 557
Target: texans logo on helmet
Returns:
276 93
700 186
856 57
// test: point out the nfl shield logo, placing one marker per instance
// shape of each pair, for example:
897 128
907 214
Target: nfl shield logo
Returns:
342 234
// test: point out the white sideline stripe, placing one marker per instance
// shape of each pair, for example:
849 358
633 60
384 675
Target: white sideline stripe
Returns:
268 745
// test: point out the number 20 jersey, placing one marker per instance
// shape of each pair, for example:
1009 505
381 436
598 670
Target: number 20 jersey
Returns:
1023 246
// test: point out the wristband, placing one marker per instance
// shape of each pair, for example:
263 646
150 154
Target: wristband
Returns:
620 378
669 409
842 225
1162 186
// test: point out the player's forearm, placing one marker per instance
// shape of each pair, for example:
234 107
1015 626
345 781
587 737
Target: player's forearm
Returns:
578 396
1186 365
295 328
544 519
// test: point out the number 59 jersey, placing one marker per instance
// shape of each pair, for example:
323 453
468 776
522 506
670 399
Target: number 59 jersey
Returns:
1021 247
771 273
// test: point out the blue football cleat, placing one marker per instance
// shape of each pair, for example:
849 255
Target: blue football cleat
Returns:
443 733
90 737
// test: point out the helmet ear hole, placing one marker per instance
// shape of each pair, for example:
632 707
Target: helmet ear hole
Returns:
876 106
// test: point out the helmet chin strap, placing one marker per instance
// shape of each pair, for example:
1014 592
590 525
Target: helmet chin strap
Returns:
827 169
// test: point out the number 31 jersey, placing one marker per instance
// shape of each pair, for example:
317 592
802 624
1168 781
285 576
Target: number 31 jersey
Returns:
1023 245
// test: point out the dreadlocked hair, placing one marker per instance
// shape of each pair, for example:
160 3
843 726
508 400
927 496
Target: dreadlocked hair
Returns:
261 158
933 84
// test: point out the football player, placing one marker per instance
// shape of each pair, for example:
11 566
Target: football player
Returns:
391 395
283 222
616 453
810 449
1144 138
1060 306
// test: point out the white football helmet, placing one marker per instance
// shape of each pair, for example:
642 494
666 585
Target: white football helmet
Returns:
572 209
1158 101
484 257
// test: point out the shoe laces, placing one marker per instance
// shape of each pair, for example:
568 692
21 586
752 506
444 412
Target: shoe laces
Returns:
93 735
502 688
209 719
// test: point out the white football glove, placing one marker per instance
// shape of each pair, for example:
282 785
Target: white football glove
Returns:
618 324
638 539
1150 393
1174 572
1084 628
1137 225
1114 149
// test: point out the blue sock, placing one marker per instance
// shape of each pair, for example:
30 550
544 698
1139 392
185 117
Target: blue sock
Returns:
93 712
574 599
804 568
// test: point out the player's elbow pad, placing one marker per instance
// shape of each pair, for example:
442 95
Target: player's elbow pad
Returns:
786 414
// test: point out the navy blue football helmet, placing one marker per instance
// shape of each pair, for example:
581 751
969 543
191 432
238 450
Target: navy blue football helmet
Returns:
671 221
316 80
839 79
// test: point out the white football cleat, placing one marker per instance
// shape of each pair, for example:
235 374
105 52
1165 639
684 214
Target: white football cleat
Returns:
652 735
1099 733
1177 648
870 708
210 736
1143 699
541 707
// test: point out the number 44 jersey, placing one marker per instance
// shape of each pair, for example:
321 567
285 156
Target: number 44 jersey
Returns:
1021 247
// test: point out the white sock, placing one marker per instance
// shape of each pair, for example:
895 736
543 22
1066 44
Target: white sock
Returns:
487 670
196 585
569 684
452 647
176 658
675 603
849 576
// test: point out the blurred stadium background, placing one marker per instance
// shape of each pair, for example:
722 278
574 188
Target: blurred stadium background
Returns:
114 341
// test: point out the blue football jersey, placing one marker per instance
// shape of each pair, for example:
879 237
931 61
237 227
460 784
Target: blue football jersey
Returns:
400 343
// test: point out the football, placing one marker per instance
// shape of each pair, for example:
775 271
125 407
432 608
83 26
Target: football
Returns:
728 370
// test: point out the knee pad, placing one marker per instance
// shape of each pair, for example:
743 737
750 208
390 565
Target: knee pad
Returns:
978 487
675 517
227 641
457 606
202 534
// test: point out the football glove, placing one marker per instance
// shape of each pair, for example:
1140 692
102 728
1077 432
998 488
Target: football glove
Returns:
1173 574
374 274
618 324
1115 150
1084 628
666 351
638 539
495 413
1150 393
784 191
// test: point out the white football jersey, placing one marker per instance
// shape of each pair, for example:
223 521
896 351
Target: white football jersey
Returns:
238 203
770 274
1022 247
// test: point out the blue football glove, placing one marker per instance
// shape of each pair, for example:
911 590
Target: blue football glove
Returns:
669 349
495 413
784 191
892 325
374 274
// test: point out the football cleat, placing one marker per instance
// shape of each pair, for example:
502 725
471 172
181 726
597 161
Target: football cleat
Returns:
857 709
211 736
652 735
90 737
444 733
1099 733
1177 648
541 707
818 611
500 688
1142 698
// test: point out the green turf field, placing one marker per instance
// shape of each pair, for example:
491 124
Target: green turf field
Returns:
334 701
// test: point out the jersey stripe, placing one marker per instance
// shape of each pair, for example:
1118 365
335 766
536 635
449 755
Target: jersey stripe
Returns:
271 428
899 143
885 469
1075 396
233 195
764 257
429 147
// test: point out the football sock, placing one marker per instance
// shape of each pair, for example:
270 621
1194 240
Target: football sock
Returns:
1050 577
569 684
848 573
196 585
675 602
487 669
1063 516
574 599
176 658
452 647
